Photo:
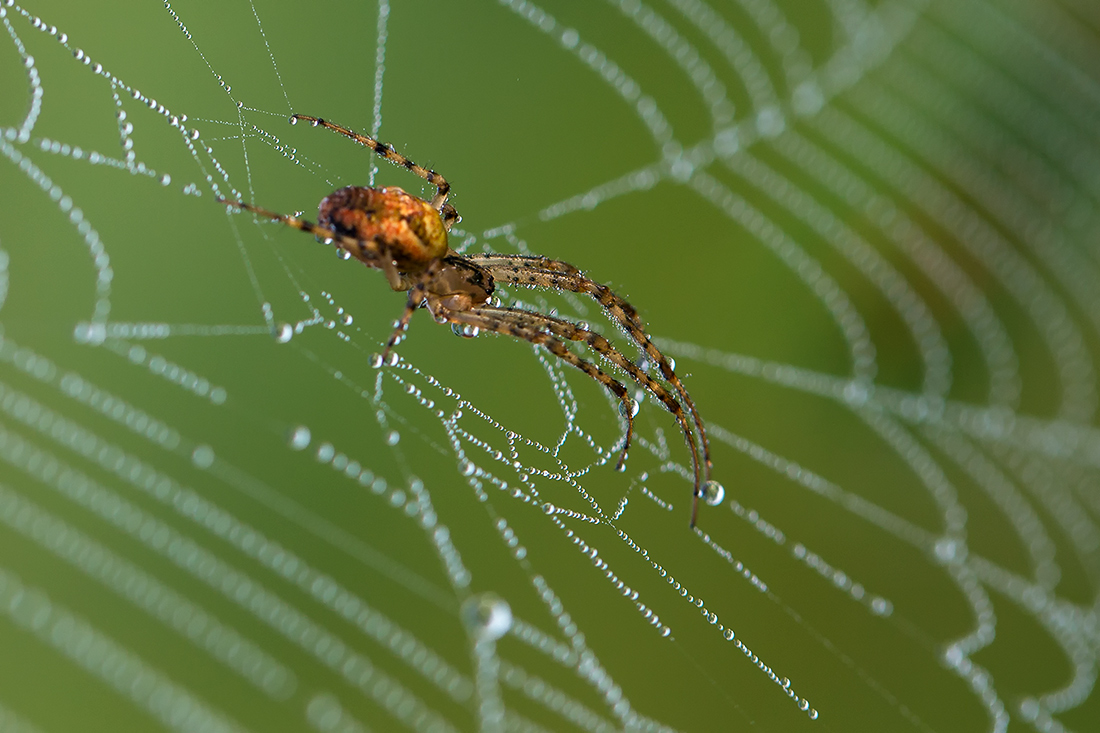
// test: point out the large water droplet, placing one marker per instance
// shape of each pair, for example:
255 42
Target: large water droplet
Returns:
299 438
487 616
465 330
202 456
393 437
632 406
283 333
713 492
376 361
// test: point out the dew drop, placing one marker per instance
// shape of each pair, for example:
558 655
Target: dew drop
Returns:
293 120
713 492
633 407
467 468
393 438
346 319
728 633
202 456
487 616
283 333
340 252
549 508
671 363
465 330
299 438
376 361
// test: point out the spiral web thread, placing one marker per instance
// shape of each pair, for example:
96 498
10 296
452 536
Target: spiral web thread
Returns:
888 174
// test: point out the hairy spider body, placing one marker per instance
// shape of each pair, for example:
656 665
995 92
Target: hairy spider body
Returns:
406 237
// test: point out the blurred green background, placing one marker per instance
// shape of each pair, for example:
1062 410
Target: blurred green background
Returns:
865 231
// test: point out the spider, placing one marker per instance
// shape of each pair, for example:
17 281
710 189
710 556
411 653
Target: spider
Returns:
405 237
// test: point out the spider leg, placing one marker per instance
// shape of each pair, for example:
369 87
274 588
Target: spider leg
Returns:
417 293
517 324
442 188
364 250
450 216
535 271
564 329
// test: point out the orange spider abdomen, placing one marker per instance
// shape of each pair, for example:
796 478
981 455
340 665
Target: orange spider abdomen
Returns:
407 226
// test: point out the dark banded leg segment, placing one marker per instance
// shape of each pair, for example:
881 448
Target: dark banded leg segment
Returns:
442 188
542 272
506 322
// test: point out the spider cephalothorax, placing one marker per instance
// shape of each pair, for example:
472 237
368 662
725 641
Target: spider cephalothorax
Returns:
406 237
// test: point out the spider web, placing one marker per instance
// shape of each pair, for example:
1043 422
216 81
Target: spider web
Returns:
866 231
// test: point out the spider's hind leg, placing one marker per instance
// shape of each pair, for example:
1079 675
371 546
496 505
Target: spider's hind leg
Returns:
530 327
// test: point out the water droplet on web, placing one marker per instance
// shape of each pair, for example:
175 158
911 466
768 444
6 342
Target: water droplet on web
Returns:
340 251
487 616
465 330
671 363
293 120
549 508
202 456
728 633
634 407
299 438
467 468
713 492
393 437
283 333
583 325
346 319
376 360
